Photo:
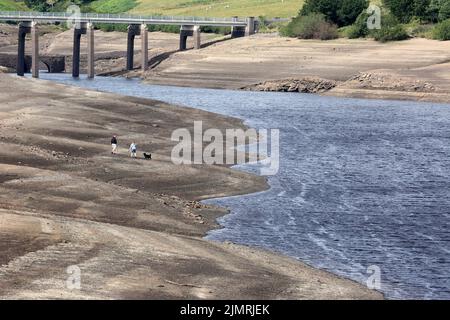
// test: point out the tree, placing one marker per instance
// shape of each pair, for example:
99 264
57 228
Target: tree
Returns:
421 9
340 12
444 10
350 10
433 10
326 7
405 10
37 5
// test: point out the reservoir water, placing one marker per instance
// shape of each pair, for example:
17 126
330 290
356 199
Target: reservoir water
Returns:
361 183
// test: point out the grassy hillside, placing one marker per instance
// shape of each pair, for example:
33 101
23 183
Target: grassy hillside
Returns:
211 8
217 8
12 5
113 6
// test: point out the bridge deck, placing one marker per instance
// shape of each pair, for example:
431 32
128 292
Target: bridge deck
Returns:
21 16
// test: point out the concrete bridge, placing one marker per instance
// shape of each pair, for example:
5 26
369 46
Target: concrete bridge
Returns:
83 24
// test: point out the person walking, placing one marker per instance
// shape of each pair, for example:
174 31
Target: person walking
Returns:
114 145
133 150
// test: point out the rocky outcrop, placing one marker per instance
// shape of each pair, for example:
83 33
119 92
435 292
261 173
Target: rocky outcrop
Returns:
387 81
304 85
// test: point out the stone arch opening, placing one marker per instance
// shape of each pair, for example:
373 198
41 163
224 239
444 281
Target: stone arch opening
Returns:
44 66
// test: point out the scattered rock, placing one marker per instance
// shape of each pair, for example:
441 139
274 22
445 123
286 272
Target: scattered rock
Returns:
304 85
387 81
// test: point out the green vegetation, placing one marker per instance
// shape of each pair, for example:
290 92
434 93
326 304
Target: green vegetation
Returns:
201 8
405 10
112 6
391 30
12 5
220 8
328 15
442 30
359 29
311 26
424 10
340 12
439 10
266 26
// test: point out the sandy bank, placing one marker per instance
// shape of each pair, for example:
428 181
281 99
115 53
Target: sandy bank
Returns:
133 227
244 62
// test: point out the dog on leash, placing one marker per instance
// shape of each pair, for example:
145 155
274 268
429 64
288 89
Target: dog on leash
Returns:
147 155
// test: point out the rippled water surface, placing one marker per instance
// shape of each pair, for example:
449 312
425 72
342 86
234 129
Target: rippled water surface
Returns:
361 182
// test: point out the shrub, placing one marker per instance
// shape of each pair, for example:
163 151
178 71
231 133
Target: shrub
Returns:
312 26
359 29
417 28
108 27
442 30
390 30
392 33
340 12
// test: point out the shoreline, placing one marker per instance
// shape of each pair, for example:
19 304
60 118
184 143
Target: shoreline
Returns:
144 242
414 69
351 93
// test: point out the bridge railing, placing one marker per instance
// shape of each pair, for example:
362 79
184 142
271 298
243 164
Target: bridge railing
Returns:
117 18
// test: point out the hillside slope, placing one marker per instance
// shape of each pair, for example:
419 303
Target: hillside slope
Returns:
205 8
11 5
212 8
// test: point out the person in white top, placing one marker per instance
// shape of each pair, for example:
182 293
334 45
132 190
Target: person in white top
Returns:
133 150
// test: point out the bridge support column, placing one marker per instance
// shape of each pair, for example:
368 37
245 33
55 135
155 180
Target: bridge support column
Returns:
77 32
34 50
185 32
91 51
197 37
133 31
144 47
24 28
250 29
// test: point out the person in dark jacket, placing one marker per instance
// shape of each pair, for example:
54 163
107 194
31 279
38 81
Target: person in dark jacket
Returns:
114 145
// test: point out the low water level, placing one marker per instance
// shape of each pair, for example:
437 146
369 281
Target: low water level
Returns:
361 182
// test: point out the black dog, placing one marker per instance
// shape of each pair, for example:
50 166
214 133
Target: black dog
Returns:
147 155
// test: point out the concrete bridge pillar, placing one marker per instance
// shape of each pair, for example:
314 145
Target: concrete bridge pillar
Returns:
144 47
24 28
197 37
133 31
77 32
185 32
91 51
34 50
250 29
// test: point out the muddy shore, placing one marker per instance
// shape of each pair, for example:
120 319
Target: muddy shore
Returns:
133 227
